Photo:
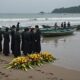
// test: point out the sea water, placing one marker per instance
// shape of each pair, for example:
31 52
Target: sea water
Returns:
40 19
66 49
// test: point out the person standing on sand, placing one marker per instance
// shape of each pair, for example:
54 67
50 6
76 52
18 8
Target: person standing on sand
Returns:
6 42
27 42
32 47
23 39
12 38
0 40
17 40
37 37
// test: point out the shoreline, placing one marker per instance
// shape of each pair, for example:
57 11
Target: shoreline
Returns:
45 72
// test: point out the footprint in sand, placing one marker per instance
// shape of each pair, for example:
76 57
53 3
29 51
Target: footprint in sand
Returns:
3 74
51 74
3 61
54 78
61 79
30 77
41 71
6 75
38 70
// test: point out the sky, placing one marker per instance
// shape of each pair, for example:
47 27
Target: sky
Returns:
34 6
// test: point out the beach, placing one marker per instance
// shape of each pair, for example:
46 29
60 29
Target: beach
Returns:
65 49
45 72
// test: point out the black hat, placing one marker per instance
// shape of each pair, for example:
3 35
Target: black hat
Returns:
36 26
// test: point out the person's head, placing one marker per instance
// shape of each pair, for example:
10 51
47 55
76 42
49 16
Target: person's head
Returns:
7 29
26 29
13 26
36 26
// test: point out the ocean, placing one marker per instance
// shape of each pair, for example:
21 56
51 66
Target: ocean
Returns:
39 19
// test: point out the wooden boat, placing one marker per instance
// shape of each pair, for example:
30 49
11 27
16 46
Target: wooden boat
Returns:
48 32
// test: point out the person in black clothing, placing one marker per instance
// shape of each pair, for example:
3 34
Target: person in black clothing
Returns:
68 25
0 40
62 25
6 42
26 37
37 36
32 47
12 38
55 26
22 36
17 40
17 26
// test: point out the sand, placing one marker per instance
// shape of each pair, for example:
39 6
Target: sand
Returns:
45 72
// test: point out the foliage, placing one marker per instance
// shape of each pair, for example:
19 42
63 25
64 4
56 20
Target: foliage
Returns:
31 60
75 9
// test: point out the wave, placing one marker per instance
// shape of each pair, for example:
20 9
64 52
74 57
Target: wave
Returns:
41 19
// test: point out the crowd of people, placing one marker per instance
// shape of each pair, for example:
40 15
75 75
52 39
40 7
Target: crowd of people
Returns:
27 41
64 25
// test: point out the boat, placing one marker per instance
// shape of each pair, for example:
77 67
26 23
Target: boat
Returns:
49 32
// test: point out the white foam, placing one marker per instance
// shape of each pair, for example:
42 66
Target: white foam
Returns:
40 21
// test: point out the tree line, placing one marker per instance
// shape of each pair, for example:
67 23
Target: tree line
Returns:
75 9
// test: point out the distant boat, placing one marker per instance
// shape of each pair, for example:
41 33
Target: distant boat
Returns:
48 32
42 12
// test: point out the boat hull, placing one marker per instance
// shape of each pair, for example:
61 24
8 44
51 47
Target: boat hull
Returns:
57 33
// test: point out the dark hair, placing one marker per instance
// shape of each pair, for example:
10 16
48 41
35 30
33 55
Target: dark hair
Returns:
26 29
36 26
13 26
7 29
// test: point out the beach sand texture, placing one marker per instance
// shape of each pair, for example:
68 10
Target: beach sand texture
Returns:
45 72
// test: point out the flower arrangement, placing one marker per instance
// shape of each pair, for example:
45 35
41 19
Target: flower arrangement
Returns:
31 60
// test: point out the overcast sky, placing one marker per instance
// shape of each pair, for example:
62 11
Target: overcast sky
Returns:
34 6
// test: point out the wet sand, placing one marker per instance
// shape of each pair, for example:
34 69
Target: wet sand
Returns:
45 72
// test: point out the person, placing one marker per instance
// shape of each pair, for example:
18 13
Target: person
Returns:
12 38
17 40
62 25
18 25
0 40
26 42
56 26
68 25
6 42
37 37
31 40
23 39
